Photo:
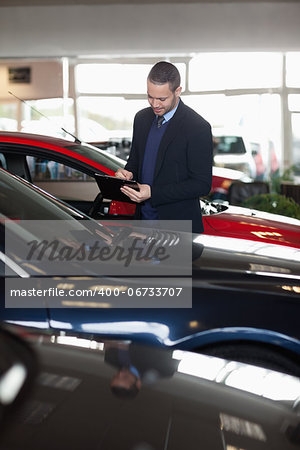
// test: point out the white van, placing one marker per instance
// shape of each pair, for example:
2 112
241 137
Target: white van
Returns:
234 152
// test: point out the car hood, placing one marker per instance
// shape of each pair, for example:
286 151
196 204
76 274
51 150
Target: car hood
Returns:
223 273
257 225
185 399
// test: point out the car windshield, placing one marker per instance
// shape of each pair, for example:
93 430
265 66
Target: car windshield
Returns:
224 145
19 200
99 156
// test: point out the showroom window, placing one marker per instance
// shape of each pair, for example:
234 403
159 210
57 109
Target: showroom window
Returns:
115 78
294 108
219 86
48 116
102 118
112 78
219 71
296 140
8 116
256 116
99 88
109 95
254 92
293 69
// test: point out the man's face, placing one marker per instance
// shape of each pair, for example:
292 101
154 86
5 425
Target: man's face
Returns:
125 379
161 98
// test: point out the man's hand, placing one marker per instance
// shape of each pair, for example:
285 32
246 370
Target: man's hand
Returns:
124 174
137 196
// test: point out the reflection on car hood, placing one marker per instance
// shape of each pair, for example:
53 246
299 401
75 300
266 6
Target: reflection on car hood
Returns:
252 224
242 254
262 215
185 401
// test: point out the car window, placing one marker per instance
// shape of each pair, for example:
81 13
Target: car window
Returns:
45 169
62 181
100 156
229 145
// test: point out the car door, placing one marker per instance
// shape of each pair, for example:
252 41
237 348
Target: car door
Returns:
67 179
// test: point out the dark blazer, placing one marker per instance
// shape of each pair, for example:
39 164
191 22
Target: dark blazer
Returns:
183 170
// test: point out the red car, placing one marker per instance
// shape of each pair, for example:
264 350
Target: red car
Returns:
66 170
222 179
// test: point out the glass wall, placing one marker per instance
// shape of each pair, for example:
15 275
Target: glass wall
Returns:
8 116
238 93
108 97
101 118
220 71
255 95
293 69
293 85
48 116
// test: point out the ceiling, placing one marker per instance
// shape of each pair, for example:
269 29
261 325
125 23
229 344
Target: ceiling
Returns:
10 3
85 28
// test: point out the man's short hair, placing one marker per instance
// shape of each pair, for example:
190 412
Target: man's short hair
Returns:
122 392
164 72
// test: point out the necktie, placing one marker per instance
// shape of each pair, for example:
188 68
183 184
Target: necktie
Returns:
160 120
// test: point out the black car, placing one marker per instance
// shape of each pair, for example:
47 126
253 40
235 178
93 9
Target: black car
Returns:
233 301
119 395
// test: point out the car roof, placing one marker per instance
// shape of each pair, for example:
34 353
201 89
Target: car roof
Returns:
96 158
25 137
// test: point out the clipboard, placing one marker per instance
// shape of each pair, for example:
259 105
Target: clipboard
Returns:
110 187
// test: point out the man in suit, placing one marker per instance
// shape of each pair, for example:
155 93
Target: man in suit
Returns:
171 153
